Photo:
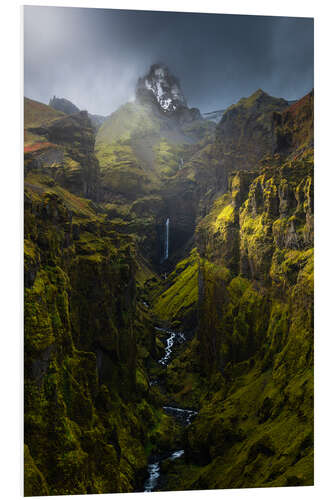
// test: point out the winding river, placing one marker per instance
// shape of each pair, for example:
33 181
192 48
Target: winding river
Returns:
182 415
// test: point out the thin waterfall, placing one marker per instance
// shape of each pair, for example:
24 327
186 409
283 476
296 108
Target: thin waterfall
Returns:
166 253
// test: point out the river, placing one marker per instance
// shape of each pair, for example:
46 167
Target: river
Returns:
182 415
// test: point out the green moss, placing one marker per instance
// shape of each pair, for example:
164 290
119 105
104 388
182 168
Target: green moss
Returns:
167 158
91 418
34 481
141 381
165 434
82 292
130 118
226 216
182 294
219 232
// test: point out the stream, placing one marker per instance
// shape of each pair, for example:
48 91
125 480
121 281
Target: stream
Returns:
174 337
182 415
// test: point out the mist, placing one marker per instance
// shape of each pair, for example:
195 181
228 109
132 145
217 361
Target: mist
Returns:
94 57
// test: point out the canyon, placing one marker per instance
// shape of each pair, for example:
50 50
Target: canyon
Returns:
168 269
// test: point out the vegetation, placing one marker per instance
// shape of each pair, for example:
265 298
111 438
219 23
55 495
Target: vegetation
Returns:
238 284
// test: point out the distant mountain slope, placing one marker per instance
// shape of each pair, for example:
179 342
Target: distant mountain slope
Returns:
35 115
97 120
64 105
294 127
214 116
142 144
246 129
67 107
62 146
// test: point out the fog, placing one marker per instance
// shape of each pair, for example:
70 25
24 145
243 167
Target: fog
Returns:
94 57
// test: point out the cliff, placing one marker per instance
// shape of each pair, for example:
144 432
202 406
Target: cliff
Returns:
89 413
61 146
237 284
250 365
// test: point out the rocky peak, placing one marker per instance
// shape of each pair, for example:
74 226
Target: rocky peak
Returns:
64 105
163 87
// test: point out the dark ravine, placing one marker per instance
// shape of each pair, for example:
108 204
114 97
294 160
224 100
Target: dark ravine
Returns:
182 415
168 356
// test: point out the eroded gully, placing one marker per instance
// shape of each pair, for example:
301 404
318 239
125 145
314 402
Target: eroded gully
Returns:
183 416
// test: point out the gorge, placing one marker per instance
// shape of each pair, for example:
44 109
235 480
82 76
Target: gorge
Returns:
168 267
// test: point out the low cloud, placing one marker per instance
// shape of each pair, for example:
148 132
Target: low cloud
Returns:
93 57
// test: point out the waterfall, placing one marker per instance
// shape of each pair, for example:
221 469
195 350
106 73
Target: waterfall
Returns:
166 253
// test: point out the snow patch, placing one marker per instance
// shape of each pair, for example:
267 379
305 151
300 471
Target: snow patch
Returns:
167 92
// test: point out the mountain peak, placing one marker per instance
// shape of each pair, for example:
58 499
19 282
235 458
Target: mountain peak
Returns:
163 87
64 105
258 93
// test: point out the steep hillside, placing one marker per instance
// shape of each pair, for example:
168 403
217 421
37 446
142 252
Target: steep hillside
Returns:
63 105
142 149
67 107
246 130
61 146
88 411
246 134
35 114
168 295
294 127
250 365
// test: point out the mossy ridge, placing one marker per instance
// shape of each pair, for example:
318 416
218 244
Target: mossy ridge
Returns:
61 146
255 337
37 113
239 429
118 149
34 481
180 297
127 119
81 430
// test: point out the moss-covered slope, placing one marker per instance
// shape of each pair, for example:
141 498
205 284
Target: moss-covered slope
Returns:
253 348
87 413
255 338
61 146
240 210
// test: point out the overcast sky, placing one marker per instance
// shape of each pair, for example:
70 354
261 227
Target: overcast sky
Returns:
94 56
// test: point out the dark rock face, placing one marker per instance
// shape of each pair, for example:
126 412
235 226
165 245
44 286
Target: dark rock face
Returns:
64 105
162 88
246 130
81 350
70 157
293 128
97 120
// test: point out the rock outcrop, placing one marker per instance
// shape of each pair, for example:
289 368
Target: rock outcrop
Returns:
63 147
161 88
86 391
64 105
